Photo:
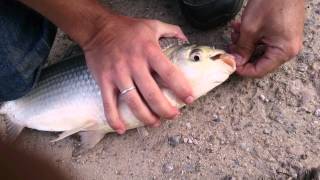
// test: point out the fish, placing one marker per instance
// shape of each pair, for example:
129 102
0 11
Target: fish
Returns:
67 99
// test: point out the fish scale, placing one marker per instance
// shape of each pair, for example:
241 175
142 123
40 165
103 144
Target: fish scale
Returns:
67 98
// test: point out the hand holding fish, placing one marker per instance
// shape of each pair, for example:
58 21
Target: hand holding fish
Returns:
126 59
122 53
276 24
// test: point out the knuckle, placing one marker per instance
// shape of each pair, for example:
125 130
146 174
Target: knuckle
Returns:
176 28
107 107
104 77
293 49
132 103
152 23
156 22
117 65
150 47
136 65
151 97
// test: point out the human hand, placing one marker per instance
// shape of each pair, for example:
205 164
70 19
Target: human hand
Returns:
124 53
276 24
121 52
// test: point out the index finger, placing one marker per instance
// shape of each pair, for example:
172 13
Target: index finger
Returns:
171 75
271 59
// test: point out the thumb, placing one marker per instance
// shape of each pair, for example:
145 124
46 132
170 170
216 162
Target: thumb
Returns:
272 59
244 47
169 31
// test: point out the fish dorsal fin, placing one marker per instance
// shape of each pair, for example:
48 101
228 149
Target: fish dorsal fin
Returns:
89 139
65 134
13 130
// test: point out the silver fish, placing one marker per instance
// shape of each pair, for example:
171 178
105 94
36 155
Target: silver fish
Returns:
67 98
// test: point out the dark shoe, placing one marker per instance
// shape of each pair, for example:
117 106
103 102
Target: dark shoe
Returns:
310 174
205 14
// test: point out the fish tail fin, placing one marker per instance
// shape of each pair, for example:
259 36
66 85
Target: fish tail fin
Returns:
2 109
89 139
13 130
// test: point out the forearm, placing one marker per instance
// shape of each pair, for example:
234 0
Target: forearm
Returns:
80 19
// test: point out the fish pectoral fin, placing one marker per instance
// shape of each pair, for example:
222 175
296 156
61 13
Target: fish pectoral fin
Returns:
75 130
13 130
89 139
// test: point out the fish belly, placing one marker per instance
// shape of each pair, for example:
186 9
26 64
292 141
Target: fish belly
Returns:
65 98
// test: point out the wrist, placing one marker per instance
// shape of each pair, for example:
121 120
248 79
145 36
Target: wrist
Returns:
105 31
80 19
89 24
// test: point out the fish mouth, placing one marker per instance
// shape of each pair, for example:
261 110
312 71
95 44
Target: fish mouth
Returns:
228 60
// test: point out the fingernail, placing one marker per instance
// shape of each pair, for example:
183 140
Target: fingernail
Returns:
189 99
239 59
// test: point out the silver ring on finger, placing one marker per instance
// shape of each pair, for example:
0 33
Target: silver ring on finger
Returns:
125 91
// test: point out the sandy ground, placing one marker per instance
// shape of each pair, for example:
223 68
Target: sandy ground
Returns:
244 129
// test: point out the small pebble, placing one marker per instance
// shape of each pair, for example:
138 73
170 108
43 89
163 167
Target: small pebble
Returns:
267 131
190 141
263 98
230 178
195 142
316 66
317 113
185 140
143 132
304 156
188 125
167 168
302 67
216 118
174 140
244 147
118 172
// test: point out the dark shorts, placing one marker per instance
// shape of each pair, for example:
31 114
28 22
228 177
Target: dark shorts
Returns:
26 38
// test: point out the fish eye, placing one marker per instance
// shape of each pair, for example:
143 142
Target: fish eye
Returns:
195 55
196 58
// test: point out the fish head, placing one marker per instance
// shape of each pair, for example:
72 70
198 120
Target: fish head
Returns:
205 67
